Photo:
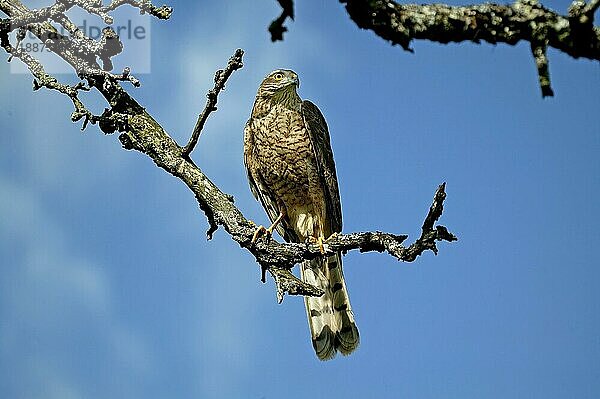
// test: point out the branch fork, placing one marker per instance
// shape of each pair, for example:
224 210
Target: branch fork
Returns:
221 76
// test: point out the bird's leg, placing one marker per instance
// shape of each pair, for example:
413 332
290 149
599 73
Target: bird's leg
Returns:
320 242
276 222
269 231
331 237
257 233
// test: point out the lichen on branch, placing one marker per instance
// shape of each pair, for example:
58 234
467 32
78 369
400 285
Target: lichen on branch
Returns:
524 20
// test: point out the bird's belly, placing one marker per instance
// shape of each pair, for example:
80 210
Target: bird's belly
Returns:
286 177
285 166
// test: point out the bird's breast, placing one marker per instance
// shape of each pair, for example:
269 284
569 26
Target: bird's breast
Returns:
282 153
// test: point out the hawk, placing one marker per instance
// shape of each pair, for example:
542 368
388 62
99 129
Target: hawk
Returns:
290 168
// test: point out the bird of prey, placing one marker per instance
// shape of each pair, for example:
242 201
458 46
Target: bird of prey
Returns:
290 168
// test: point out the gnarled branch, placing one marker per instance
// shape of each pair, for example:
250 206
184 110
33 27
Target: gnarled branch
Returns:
139 131
276 28
525 20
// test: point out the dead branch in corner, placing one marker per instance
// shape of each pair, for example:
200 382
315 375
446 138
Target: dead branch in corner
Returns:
524 20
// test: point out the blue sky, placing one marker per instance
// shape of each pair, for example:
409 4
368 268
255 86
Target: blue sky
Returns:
109 288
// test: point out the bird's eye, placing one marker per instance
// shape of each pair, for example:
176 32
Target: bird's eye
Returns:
278 76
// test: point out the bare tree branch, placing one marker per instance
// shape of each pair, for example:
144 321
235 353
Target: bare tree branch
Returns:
493 23
525 20
276 29
221 76
140 132
583 13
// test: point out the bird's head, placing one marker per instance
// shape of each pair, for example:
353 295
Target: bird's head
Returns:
277 81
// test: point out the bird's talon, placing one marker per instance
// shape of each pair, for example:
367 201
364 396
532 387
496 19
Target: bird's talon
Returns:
317 241
259 231
320 242
311 240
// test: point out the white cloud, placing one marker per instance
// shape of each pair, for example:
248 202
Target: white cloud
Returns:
50 294
132 350
48 382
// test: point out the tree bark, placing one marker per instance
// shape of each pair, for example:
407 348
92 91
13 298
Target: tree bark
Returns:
524 20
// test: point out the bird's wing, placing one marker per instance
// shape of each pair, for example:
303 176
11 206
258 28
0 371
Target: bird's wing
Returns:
330 316
319 137
247 160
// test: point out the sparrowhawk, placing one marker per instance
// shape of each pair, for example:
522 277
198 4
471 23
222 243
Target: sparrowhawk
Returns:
288 157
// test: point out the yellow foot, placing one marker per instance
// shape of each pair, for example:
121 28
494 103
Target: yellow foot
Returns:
319 241
261 230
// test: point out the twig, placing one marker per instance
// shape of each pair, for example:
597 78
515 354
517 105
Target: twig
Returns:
276 28
391 243
221 76
42 79
591 8
274 256
541 63
582 13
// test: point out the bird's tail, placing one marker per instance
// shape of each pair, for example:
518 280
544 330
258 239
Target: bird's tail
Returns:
330 316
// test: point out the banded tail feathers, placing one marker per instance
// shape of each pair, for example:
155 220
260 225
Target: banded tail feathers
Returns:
330 316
